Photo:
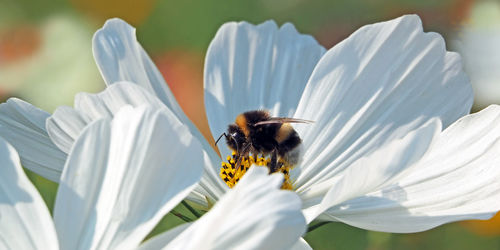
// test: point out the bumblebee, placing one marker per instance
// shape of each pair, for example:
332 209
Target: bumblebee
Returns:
257 132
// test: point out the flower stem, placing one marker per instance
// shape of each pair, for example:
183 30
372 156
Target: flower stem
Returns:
191 209
181 216
319 224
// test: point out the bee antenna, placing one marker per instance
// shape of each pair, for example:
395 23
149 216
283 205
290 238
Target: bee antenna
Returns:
223 134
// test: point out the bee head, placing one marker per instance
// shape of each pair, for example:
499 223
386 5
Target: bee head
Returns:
235 137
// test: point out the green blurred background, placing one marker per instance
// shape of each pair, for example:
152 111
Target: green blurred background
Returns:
46 58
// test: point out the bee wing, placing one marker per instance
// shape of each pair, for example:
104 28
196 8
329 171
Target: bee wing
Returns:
274 120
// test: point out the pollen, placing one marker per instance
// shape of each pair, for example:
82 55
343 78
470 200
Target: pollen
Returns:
231 176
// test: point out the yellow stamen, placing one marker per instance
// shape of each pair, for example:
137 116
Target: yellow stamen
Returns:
230 176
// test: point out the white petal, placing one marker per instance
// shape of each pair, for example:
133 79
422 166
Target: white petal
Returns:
122 177
252 67
161 240
75 212
121 58
66 124
383 81
456 180
371 172
25 221
301 244
23 125
256 214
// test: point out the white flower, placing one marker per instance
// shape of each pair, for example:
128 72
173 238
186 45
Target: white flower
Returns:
51 67
122 176
387 151
477 41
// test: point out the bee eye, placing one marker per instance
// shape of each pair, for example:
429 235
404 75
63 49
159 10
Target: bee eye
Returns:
234 134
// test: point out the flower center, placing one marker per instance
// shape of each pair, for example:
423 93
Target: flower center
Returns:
231 176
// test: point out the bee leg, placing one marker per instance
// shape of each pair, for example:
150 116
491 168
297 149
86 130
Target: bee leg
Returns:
238 163
244 153
273 165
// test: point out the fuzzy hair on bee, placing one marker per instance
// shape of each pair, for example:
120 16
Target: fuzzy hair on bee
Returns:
257 132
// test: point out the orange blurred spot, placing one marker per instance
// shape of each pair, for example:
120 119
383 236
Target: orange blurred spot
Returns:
445 14
18 43
183 72
484 227
460 11
132 11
